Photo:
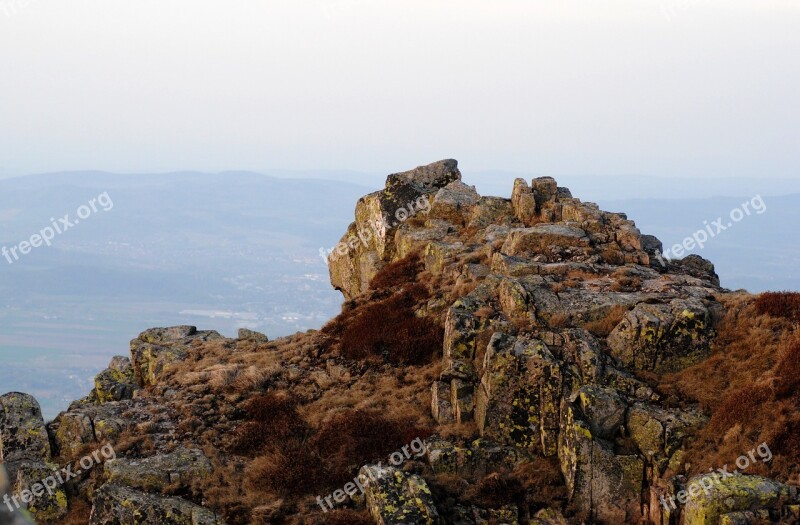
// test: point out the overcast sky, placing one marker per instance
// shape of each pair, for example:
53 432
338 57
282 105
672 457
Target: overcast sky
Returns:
679 87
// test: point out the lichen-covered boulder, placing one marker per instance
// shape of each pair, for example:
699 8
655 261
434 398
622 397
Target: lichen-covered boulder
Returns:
23 435
180 466
603 487
156 349
116 383
710 497
370 241
396 498
118 505
518 397
663 337
10 515
37 483
604 410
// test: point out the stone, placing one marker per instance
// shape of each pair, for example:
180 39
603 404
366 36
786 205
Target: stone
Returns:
155 473
731 494
246 334
396 498
51 505
116 383
603 409
370 240
454 202
118 505
441 403
23 435
549 241
523 203
663 337
10 516
602 486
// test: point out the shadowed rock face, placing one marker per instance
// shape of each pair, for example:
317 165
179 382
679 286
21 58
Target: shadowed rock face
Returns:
554 313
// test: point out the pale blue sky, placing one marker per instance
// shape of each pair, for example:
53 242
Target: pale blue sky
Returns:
676 87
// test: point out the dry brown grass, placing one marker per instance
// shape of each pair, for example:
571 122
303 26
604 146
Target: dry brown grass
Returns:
785 305
387 329
603 327
625 281
751 388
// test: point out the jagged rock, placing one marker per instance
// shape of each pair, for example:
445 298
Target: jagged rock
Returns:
396 498
156 349
524 203
10 515
602 486
442 403
83 425
454 202
507 515
738 493
370 240
154 473
116 383
603 409
38 483
517 400
118 505
251 335
663 337
23 435
549 242
475 459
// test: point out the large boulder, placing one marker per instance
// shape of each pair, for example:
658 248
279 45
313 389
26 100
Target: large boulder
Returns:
663 337
116 383
397 498
157 349
23 435
118 505
370 241
603 487
710 497
38 484
10 515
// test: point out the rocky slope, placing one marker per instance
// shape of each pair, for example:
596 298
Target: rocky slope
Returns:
496 361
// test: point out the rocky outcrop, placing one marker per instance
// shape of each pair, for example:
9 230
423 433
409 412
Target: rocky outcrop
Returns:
180 467
156 349
555 316
396 498
118 505
370 241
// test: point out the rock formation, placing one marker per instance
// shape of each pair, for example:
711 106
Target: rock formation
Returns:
554 315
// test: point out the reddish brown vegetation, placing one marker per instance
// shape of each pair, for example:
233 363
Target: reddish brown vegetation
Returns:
779 304
397 273
330 455
385 325
751 388
273 419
